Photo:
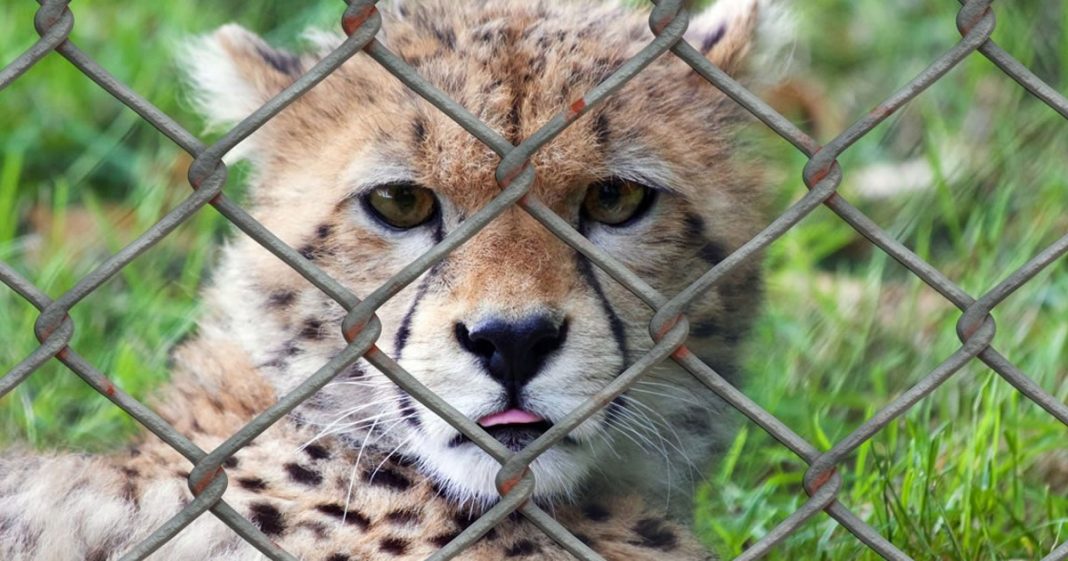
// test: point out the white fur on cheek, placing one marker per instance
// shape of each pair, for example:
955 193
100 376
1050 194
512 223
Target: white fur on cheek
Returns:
469 474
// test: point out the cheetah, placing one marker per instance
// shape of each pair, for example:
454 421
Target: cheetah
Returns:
515 329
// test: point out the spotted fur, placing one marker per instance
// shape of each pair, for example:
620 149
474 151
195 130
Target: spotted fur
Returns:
363 471
324 501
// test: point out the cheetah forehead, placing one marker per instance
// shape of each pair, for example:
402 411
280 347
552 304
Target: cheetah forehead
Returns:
514 65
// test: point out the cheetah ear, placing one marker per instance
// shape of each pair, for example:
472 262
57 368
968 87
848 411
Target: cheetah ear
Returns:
232 72
730 30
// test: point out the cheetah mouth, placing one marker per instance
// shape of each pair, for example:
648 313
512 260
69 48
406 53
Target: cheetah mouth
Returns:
517 436
511 416
515 428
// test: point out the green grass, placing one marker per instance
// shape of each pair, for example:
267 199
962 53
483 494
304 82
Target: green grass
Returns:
846 329
70 149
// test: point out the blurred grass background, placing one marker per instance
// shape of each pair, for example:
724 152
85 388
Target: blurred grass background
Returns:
971 175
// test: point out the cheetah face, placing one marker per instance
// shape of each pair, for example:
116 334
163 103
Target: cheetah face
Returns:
515 329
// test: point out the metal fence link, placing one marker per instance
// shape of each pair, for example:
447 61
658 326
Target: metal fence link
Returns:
515 174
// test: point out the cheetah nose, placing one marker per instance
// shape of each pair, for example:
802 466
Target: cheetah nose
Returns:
513 352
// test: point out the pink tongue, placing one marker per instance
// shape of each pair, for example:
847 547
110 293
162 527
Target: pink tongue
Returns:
509 417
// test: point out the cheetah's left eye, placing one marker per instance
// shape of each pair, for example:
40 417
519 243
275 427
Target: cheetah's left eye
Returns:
616 201
402 205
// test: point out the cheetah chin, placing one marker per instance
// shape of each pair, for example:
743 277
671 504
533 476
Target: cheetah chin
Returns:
515 329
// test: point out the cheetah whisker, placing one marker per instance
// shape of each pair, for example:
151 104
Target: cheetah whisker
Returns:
378 384
626 427
390 454
359 457
350 411
352 474
675 397
677 444
337 427
347 427
635 425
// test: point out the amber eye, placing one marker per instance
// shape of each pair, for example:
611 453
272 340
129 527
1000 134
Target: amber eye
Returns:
616 201
402 205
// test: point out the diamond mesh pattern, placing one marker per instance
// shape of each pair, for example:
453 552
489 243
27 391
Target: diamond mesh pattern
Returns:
669 327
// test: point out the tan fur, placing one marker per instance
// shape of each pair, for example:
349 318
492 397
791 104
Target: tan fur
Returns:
130 494
418 516
515 64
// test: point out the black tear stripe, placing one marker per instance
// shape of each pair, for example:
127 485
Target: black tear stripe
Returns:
708 250
585 268
400 339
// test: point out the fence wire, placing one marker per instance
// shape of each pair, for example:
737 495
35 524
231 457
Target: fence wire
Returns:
515 173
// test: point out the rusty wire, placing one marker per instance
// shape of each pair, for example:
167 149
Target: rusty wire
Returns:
515 173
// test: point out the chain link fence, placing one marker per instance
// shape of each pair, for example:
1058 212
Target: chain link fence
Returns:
515 174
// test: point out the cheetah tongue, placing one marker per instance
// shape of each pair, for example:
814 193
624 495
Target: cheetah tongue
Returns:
510 417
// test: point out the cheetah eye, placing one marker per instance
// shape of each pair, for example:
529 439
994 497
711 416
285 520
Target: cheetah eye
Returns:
616 201
402 205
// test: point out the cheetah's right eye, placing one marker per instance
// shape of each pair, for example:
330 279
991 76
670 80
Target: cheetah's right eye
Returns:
616 201
402 205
